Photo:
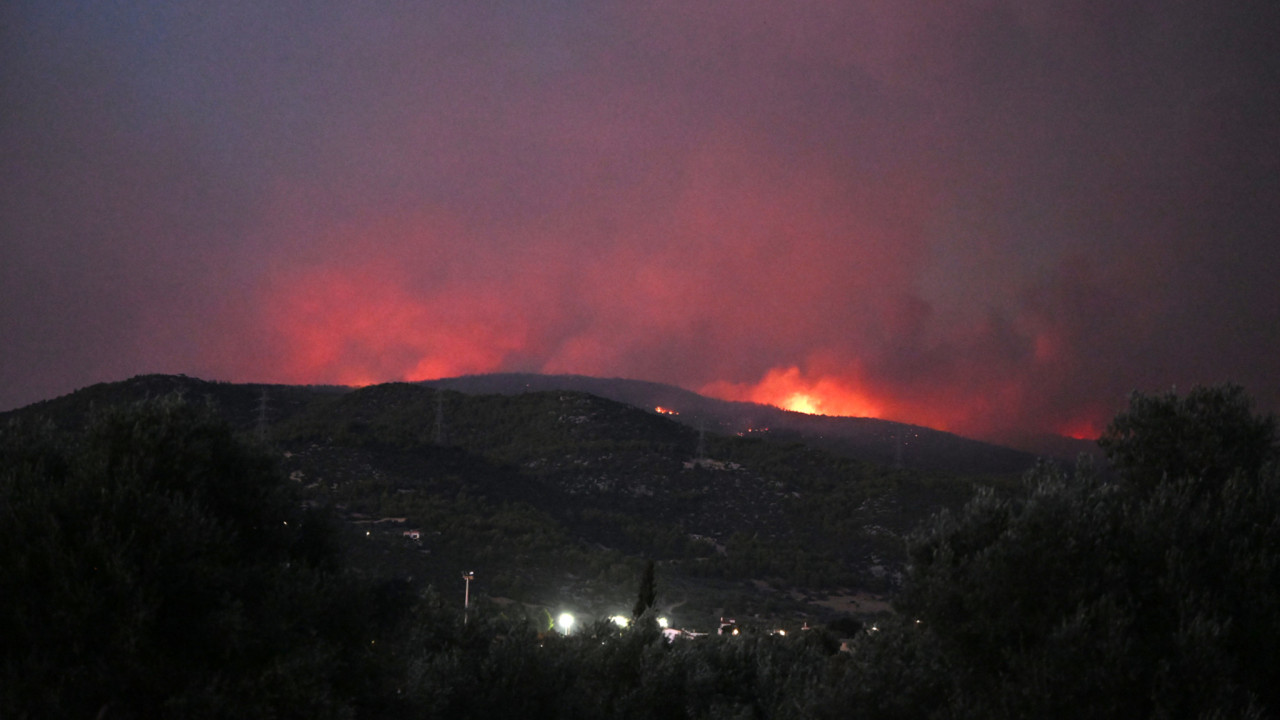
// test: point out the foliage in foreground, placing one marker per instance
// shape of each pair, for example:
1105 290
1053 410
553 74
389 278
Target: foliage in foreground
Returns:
158 567
1157 595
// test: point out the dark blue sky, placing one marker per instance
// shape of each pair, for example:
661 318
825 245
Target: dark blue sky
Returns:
992 217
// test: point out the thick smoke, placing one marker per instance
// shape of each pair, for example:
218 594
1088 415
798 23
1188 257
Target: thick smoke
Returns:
993 217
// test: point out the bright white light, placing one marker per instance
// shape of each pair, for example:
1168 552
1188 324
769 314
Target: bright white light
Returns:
662 622
621 620
565 621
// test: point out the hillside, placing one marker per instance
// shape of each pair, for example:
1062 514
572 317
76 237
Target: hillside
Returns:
555 498
315 557
879 441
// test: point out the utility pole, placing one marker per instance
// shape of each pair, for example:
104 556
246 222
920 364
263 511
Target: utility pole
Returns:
467 576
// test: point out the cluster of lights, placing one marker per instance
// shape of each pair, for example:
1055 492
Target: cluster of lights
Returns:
623 621
665 411
565 622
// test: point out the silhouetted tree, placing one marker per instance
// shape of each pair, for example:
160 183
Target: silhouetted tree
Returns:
1151 597
648 595
1207 435
157 566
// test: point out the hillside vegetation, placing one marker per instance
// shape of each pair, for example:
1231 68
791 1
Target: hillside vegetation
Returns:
556 498
206 553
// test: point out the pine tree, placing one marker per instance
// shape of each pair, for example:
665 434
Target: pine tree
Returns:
648 593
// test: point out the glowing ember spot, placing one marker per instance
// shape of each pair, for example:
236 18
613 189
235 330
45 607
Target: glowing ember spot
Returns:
665 411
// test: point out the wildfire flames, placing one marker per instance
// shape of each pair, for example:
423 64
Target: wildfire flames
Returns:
789 389
363 325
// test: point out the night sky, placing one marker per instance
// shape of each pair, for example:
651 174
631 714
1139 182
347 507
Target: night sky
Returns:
989 217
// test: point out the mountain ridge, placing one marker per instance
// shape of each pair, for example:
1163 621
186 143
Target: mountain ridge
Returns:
875 440
556 498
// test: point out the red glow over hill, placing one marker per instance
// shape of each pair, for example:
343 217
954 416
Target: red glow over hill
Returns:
360 327
371 322
1083 429
838 213
789 389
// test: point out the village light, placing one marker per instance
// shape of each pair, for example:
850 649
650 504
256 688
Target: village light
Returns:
621 620
565 621
662 622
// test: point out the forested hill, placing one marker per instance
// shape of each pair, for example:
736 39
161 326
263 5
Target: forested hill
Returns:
309 562
878 441
556 496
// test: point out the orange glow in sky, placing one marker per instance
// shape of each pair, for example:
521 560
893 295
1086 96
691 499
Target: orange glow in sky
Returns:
838 211
1080 430
360 327
368 322
801 402
789 389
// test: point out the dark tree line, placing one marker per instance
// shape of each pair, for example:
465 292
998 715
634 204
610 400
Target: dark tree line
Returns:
1156 594
158 566
648 593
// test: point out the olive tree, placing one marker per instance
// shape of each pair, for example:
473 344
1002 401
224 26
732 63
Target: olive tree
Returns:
1150 595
